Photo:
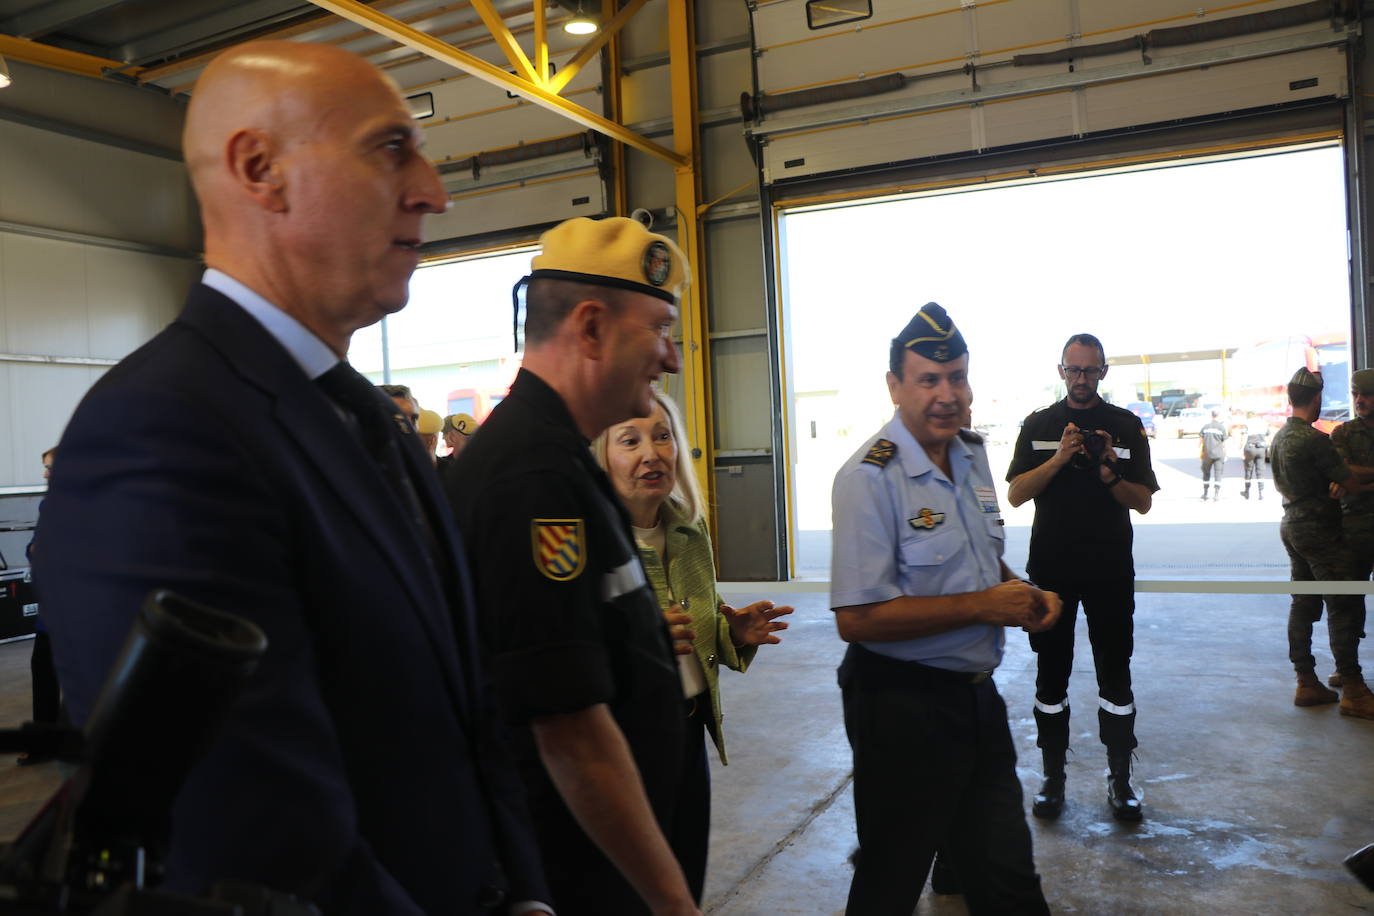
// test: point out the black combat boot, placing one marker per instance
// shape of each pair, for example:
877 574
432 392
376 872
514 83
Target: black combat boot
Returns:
1246 494
1120 795
1049 801
1261 490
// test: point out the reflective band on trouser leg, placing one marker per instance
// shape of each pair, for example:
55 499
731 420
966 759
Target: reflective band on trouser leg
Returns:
1052 708
1127 710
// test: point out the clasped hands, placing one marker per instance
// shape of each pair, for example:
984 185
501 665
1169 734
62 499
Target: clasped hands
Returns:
1015 603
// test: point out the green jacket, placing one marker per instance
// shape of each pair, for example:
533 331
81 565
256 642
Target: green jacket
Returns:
1354 442
691 574
1305 462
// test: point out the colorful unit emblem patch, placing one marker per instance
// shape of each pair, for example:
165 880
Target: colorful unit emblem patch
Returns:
560 547
926 518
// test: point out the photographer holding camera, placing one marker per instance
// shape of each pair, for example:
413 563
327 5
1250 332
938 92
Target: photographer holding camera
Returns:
1086 464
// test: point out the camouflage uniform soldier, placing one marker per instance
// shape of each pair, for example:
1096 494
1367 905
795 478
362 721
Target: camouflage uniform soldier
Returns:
1354 440
1306 464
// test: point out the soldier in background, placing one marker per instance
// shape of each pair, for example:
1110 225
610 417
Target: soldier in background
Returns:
1308 471
1213 454
1354 441
1256 447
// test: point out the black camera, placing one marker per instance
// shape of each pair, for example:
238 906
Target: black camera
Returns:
1096 444
1095 448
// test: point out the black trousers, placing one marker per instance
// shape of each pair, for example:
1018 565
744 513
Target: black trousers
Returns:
1212 468
1110 610
47 697
934 768
690 830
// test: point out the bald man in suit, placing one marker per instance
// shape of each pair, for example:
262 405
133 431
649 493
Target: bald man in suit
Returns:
239 460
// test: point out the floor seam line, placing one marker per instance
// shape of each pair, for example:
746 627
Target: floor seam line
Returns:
816 811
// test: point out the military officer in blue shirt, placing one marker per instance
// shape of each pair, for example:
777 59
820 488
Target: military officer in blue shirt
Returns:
922 596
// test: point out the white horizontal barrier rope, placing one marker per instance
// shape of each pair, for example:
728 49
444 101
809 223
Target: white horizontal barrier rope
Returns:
1160 586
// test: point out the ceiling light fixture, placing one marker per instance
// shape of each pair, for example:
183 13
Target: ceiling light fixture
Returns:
4 73
580 23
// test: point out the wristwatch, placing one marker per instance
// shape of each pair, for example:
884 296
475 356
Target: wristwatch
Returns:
1114 481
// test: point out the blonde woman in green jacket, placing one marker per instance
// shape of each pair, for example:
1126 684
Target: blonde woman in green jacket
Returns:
647 461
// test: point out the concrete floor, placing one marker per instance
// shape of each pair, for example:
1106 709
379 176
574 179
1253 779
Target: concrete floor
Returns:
1251 803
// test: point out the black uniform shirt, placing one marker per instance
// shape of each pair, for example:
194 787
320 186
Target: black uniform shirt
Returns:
566 612
1081 532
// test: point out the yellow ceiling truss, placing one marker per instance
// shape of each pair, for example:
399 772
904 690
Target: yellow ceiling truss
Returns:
536 92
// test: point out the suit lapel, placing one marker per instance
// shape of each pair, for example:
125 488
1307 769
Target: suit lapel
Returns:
310 420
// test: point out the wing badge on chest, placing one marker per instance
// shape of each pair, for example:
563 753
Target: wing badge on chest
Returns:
560 547
926 518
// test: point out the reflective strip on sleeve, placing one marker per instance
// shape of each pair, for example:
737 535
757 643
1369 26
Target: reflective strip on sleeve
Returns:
622 580
1050 709
1121 452
1127 710
1045 445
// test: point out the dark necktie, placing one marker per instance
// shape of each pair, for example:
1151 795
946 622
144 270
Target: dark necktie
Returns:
378 428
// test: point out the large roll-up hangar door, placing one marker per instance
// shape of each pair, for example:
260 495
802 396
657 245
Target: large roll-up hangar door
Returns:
942 99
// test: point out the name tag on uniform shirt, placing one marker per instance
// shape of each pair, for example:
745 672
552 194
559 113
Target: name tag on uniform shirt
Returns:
987 499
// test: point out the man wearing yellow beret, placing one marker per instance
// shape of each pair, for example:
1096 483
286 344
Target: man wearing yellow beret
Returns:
582 664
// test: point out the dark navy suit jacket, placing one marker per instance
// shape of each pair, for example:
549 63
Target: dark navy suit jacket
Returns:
361 770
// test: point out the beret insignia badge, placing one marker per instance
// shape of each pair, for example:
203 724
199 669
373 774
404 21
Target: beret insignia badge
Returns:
881 453
657 263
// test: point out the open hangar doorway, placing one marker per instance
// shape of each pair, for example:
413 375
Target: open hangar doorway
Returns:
1208 280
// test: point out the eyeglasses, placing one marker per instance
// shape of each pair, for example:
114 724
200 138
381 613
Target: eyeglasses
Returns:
1088 372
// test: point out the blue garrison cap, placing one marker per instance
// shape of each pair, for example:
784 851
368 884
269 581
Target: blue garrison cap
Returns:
931 333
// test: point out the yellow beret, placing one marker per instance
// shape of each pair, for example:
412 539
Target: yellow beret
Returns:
616 252
460 422
430 422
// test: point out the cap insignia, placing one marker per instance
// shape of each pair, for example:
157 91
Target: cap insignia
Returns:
657 264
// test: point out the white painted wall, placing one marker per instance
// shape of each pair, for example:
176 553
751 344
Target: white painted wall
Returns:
66 289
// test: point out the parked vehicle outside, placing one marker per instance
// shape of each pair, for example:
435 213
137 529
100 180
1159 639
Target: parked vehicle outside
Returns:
1146 412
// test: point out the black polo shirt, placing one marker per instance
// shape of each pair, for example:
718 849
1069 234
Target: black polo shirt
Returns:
566 614
1081 533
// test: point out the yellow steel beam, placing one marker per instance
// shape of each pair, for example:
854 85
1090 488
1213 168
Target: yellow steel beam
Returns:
41 55
446 53
607 31
615 110
505 40
541 43
696 359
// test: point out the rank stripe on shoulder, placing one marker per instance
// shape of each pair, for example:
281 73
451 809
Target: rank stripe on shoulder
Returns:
880 453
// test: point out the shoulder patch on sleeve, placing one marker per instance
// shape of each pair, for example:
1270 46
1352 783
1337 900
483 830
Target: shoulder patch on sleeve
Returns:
881 453
970 437
560 547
